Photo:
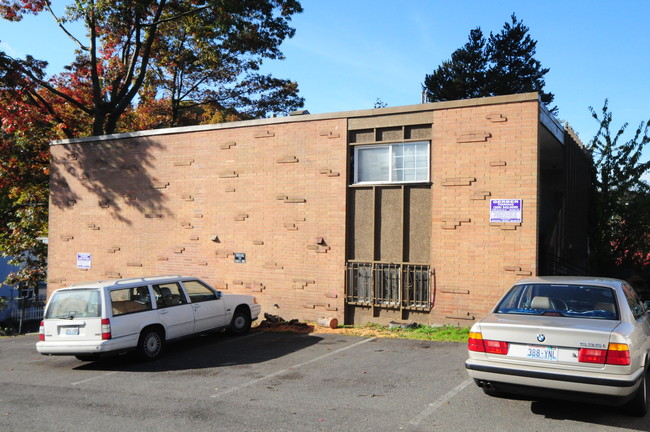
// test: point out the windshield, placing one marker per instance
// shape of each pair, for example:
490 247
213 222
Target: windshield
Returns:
576 301
74 304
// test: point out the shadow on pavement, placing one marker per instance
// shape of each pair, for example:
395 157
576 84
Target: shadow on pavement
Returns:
209 351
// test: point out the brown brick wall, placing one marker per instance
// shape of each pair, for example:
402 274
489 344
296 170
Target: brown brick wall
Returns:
186 202
478 154
153 205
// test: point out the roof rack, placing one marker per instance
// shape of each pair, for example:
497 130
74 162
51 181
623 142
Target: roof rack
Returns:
145 279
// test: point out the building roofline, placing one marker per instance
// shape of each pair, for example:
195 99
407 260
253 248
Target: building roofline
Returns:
434 106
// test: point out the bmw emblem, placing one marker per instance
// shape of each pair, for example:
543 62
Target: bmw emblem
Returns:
541 337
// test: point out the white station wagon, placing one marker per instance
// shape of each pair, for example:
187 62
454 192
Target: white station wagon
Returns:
574 338
96 318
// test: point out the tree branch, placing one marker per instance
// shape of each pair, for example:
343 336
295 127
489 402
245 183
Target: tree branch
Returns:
65 30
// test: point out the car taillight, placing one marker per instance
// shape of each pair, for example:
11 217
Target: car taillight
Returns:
475 342
41 331
496 347
106 329
615 354
478 344
618 354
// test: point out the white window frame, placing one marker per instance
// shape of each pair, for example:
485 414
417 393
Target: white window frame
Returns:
390 146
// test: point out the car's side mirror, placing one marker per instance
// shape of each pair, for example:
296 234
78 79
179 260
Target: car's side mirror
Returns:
646 304
219 295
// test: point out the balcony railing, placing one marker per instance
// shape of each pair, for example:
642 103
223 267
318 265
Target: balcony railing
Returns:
389 285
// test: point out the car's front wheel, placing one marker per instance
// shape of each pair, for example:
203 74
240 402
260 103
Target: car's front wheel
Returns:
241 322
150 344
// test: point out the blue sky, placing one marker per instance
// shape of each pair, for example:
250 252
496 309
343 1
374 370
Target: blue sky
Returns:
348 53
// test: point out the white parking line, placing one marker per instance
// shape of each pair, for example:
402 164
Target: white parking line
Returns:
439 402
280 372
93 378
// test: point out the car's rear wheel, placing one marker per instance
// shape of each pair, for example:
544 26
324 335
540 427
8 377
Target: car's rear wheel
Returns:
87 357
638 406
150 344
241 322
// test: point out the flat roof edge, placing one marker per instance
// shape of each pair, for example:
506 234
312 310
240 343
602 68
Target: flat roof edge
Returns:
433 106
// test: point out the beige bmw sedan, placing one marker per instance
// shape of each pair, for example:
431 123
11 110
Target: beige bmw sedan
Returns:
574 338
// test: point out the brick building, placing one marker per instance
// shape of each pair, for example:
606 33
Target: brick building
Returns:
425 213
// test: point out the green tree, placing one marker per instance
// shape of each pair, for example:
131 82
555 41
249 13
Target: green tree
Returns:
189 52
504 64
462 77
620 204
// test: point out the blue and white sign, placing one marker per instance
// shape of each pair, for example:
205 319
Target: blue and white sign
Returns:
505 210
83 260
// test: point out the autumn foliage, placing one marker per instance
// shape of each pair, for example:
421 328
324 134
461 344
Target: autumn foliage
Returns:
140 64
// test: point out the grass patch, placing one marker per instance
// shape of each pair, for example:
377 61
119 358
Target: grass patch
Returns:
446 333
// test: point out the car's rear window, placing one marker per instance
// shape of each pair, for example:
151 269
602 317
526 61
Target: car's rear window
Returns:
82 303
576 301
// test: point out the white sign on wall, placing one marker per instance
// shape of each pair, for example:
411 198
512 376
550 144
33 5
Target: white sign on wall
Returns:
83 260
505 210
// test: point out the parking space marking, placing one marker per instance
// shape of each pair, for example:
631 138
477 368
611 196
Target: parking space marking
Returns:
94 378
439 402
280 372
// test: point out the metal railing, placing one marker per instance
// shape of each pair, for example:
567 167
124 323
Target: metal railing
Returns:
389 285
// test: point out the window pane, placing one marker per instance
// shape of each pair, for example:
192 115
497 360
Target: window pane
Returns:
373 164
410 162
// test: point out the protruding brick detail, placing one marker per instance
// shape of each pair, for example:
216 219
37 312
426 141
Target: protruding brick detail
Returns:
518 270
290 226
230 189
113 274
506 226
467 316
187 225
273 266
330 134
128 167
113 249
134 264
187 197
329 172
496 118
454 291
220 253
287 159
498 163
227 145
258 242
129 196
186 162
66 237
92 226
302 283
453 223
153 215
178 249
159 184
480 195
294 200
255 286
194 238
228 174
104 203
281 197
474 137
459 181
162 258
241 217
70 203
265 134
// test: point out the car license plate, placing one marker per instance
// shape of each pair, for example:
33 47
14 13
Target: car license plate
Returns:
71 331
546 353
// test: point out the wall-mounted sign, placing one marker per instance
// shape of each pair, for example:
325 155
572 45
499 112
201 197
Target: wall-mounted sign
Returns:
84 260
240 258
505 210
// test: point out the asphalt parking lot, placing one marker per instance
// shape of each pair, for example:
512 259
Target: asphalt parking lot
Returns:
274 382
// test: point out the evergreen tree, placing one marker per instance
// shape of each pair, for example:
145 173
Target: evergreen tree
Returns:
513 68
463 76
505 64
